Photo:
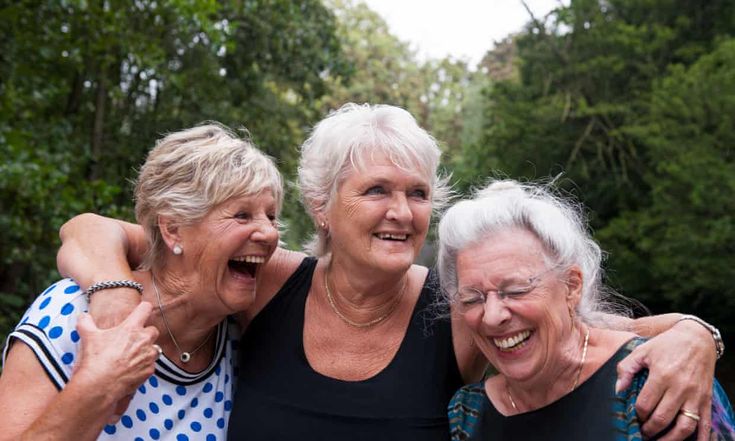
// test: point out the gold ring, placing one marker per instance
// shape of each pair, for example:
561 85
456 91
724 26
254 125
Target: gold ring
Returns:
158 348
689 414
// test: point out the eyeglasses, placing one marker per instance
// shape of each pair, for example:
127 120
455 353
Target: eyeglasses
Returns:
469 297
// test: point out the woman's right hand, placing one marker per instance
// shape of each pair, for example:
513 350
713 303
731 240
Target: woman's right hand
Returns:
118 359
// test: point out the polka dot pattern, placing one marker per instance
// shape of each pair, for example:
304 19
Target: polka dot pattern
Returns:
192 407
55 332
45 303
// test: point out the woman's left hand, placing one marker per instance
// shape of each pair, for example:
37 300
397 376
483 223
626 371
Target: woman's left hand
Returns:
681 365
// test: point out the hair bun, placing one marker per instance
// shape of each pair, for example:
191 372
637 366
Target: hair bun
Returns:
499 186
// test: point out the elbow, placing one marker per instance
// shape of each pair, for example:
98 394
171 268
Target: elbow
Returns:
66 230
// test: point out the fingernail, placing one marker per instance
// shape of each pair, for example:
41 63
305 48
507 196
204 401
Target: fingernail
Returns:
617 386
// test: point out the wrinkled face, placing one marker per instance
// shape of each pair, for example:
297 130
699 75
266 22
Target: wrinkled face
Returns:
515 304
380 216
223 252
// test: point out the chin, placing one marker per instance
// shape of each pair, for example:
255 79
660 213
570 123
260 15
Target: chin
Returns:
394 263
241 301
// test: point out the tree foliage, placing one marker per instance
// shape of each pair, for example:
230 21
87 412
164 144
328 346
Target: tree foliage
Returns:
87 86
632 101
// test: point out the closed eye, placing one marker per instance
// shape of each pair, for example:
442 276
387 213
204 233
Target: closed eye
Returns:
515 291
469 296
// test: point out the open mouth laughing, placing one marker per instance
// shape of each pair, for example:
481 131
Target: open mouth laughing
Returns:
245 265
514 342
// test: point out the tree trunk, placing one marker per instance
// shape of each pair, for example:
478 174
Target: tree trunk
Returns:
98 129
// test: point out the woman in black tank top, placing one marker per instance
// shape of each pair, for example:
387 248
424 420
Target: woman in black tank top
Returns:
290 400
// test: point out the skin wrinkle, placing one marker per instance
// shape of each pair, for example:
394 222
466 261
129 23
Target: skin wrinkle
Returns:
554 355
356 215
210 244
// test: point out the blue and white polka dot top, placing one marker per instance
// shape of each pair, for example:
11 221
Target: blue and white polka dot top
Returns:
171 405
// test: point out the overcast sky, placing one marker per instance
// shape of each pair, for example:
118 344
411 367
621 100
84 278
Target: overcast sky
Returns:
460 28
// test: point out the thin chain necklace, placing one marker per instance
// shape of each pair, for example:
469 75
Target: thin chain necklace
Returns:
184 356
367 324
576 380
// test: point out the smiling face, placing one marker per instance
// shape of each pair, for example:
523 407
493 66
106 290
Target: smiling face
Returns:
223 252
380 216
526 334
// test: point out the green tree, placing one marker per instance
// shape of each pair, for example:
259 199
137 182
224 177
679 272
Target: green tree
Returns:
677 250
87 86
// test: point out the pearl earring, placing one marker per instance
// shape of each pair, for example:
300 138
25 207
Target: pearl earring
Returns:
177 250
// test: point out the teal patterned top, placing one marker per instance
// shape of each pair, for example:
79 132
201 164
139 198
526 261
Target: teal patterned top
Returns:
592 411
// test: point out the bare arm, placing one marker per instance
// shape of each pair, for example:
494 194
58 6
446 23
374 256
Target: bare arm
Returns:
471 362
31 408
95 249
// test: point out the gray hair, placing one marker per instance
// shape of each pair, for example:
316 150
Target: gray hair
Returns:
192 171
346 139
557 222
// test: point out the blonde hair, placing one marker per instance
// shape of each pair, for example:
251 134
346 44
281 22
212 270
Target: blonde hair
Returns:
192 171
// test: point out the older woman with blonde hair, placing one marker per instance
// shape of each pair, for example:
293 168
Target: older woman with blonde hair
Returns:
207 202
343 343
523 273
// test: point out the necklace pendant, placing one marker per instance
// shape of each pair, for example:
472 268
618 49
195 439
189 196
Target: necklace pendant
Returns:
185 357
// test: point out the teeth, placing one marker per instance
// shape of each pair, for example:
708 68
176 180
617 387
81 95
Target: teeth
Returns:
392 236
249 259
510 342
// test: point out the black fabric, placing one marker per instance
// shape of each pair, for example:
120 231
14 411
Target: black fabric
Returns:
585 414
280 397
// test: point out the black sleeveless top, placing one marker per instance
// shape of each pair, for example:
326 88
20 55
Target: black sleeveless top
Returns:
280 397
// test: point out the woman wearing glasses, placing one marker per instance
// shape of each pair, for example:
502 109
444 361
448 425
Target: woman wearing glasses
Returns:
524 275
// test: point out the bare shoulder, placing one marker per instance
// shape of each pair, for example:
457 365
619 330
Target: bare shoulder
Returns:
419 273
604 343
610 338
272 275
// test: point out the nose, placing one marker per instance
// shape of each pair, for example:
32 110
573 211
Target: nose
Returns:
399 209
265 231
495 312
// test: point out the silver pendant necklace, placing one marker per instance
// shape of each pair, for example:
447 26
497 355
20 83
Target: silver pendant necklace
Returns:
184 356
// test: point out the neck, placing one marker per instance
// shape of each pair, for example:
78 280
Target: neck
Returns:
556 382
177 317
360 303
364 290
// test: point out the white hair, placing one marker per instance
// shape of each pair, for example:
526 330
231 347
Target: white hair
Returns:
557 222
349 137
192 171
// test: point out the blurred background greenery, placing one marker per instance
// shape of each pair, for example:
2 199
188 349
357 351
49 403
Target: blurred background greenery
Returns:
633 100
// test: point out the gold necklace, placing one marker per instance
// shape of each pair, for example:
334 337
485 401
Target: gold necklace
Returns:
184 356
370 323
576 380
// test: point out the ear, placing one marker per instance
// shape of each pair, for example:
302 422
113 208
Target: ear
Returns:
169 231
575 282
322 221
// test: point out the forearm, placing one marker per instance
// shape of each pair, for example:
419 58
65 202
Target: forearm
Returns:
78 413
654 325
96 249
93 248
